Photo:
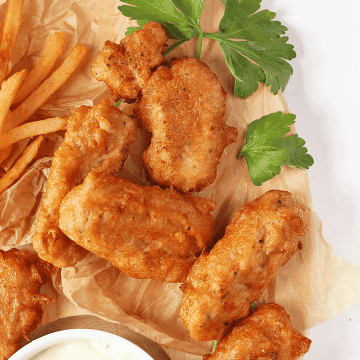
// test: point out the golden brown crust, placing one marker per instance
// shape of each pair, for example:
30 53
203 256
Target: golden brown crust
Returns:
267 334
125 68
97 138
221 285
146 232
21 277
183 107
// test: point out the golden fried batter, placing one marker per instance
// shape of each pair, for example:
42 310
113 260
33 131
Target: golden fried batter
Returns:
184 108
20 301
126 68
146 232
97 138
267 334
221 285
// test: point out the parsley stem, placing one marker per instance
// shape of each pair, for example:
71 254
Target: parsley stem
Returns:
174 46
213 36
199 46
118 103
214 346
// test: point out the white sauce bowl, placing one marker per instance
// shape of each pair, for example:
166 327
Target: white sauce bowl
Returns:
113 345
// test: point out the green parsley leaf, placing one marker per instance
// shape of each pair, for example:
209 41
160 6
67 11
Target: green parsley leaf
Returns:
181 18
132 29
261 42
266 149
297 153
251 40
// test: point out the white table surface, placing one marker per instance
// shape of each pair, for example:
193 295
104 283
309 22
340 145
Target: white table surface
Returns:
324 93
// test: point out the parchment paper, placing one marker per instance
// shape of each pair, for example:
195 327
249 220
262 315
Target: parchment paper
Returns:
313 287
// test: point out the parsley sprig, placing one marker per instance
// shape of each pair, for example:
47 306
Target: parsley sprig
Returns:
267 148
252 42
256 51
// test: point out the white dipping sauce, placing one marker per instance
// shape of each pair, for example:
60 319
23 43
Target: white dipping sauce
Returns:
82 350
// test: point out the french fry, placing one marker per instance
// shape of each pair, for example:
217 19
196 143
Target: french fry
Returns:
18 149
12 24
5 152
7 94
52 51
46 89
27 156
32 129
2 173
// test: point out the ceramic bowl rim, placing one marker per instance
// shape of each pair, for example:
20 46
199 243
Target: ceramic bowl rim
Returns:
46 341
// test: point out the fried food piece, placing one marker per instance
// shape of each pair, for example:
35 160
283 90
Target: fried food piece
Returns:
126 68
20 300
8 34
20 165
146 232
97 139
222 284
184 107
267 334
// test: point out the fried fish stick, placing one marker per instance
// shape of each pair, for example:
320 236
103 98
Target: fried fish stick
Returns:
183 107
267 334
21 277
126 67
221 285
97 139
146 232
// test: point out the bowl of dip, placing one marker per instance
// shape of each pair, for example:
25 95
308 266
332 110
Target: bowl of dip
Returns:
81 344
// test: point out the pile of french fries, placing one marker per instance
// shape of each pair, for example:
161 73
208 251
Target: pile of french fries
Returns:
22 93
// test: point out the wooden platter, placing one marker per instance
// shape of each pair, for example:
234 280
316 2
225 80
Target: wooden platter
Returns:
63 315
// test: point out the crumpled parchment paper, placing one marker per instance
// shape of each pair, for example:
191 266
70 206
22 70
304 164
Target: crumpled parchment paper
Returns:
313 286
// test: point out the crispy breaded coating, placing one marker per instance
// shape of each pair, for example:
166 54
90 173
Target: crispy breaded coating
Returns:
183 107
125 68
221 285
21 277
267 334
96 139
146 232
